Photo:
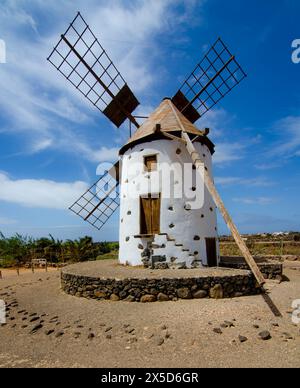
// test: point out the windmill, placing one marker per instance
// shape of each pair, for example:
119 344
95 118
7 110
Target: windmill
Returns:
153 230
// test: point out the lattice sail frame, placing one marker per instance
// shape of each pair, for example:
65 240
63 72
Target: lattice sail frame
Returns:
99 202
212 79
82 60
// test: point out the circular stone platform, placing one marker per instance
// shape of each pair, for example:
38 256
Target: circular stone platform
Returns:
108 280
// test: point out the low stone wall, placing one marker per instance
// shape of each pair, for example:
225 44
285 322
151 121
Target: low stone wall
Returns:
270 270
160 289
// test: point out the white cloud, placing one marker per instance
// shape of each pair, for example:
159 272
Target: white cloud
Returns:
37 101
41 145
251 182
7 221
289 132
40 193
228 152
268 165
103 154
255 201
218 120
227 181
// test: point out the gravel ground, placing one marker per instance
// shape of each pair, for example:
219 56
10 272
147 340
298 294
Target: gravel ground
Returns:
46 328
110 269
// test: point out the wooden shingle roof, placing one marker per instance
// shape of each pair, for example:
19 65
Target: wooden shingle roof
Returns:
164 115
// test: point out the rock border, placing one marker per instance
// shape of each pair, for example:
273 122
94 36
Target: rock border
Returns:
160 289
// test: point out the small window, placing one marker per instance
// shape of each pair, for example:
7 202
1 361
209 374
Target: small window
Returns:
150 163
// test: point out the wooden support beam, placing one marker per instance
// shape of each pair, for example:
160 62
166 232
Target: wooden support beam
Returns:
173 137
219 203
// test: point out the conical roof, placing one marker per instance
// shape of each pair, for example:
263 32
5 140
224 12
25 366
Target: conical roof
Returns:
169 122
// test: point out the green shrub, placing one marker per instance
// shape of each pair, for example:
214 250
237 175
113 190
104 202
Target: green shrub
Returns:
7 262
109 256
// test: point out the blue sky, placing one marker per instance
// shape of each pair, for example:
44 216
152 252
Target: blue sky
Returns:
51 139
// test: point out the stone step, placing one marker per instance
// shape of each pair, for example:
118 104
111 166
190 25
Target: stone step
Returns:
160 239
165 245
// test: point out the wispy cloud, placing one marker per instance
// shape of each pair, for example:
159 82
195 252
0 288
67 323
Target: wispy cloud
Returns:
7 221
288 130
268 166
218 120
228 152
38 103
255 201
251 182
40 193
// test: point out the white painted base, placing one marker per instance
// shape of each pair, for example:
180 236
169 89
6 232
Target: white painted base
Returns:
191 227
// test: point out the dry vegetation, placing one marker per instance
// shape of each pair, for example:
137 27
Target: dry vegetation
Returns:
265 244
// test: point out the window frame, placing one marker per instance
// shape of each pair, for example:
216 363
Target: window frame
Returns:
146 159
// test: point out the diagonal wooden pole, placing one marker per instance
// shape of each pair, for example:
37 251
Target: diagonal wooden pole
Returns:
219 203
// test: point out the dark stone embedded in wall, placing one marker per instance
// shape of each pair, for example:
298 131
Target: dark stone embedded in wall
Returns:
197 238
146 261
134 290
157 246
159 259
197 264
161 265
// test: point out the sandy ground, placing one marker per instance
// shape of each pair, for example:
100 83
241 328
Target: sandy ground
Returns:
88 333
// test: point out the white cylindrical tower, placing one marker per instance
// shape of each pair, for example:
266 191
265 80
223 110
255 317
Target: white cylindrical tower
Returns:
167 216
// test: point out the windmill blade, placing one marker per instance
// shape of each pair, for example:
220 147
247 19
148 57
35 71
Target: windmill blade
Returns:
100 201
212 79
82 60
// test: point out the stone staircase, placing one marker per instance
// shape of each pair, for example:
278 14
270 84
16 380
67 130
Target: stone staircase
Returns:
167 252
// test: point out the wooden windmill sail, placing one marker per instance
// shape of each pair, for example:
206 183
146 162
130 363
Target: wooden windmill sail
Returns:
82 60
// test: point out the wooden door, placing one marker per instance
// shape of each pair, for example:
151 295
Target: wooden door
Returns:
155 215
150 215
211 252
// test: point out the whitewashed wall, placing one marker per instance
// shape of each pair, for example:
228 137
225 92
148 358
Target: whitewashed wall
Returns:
188 224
